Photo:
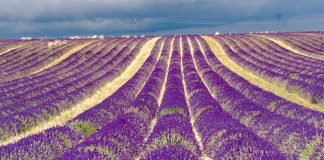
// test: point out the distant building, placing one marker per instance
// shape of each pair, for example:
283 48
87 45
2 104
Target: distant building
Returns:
56 43
101 36
26 38
88 37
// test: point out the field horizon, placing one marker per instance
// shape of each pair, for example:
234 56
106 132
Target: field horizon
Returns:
210 96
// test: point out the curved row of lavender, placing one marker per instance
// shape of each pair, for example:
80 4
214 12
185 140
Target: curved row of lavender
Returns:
78 129
290 136
223 137
28 91
207 110
77 64
31 59
312 45
6 45
262 58
43 103
172 132
265 99
312 93
9 47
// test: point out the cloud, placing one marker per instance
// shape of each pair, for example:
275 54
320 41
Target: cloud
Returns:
16 10
114 16
300 23
66 28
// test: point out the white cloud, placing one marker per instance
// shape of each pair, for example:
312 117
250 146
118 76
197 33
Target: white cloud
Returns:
35 16
79 9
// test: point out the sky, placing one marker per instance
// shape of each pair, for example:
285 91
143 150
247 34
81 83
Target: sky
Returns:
63 18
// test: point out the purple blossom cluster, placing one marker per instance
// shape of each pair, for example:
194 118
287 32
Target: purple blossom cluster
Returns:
173 132
80 63
28 112
86 123
290 136
263 98
313 94
263 59
32 59
308 44
182 103
223 137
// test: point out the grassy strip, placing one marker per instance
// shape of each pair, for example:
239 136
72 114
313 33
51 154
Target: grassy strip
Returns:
66 55
257 81
11 47
192 116
291 48
101 94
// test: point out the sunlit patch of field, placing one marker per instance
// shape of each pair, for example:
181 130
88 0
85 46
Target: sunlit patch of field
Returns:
173 97
283 44
265 85
101 94
66 55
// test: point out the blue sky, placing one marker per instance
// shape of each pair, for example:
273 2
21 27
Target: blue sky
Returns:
59 18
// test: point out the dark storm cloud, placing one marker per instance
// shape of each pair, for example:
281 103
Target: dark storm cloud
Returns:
68 17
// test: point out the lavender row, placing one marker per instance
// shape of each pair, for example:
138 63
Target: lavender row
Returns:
290 136
34 57
279 56
21 53
75 59
35 62
313 94
306 48
252 57
267 100
312 39
74 82
299 71
122 97
222 136
62 68
5 46
85 124
172 136
21 79
22 121
123 136
45 56
313 45
44 96
288 53
100 55
103 149
298 41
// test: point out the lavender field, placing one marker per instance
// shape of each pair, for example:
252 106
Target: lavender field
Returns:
227 96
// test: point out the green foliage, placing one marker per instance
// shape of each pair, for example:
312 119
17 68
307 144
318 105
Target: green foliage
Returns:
3 136
272 106
309 150
86 56
83 127
292 75
67 141
102 151
172 110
